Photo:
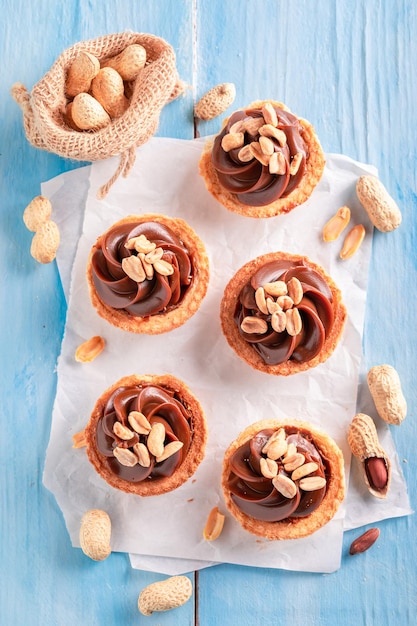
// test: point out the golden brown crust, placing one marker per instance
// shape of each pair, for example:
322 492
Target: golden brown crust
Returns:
195 453
314 170
244 349
191 302
297 527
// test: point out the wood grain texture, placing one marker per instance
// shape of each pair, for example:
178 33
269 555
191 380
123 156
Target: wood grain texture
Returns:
349 67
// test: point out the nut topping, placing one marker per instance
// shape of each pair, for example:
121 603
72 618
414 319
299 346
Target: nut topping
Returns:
125 456
232 140
90 349
269 114
253 124
271 131
277 449
269 467
277 288
294 322
312 483
163 267
156 439
267 145
292 462
254 325
245 154
285 302
304 470
295 290
140 244
260 156
261 301
139 423
122 432
214 525
277 164
278 321
132 266
171 448
142 453
295 163
285 486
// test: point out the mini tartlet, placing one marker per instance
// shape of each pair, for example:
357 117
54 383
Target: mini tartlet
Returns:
148 273
282 314
146 434
265 161
283 480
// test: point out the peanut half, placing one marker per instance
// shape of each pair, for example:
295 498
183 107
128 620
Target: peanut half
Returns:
165 595
214 525
215 101
352 241
381 208
365 446
90 349
385 387
336 224
95 531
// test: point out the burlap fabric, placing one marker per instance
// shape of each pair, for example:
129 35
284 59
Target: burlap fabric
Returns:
43 108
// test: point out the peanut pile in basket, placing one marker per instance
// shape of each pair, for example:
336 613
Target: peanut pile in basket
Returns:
98 92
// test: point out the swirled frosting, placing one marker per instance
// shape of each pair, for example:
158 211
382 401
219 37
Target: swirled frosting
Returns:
308 318
154 293
255 494
157 405
255 176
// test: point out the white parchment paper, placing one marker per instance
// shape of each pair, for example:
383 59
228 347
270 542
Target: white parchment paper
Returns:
164 533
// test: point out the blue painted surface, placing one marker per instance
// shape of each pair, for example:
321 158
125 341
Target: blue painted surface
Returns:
348 67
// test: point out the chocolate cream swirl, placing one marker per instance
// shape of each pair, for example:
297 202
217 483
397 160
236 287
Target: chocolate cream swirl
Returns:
314 310
152 295
255 183
158 405
256 496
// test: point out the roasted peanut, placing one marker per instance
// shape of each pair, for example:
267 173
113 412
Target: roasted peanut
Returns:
215 101
381 208
336 224
214 525
90 349
165 595
352 241
385 387
95 534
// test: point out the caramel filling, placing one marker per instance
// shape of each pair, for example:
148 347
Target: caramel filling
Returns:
162 264
291 326
124 432
262 497
269 159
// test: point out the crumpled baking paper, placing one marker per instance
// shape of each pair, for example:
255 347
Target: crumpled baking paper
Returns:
164 533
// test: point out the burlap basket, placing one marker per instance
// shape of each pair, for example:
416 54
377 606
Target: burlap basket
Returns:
156 84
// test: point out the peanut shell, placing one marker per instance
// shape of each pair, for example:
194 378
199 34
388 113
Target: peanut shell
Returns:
215 101
87 113
37 212
381 208
45 242
129 62
108 89
80 74
385 387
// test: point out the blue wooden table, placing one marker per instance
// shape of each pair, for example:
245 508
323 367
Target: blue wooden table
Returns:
348 67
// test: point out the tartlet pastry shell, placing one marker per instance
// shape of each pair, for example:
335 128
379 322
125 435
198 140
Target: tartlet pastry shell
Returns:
297 527
191 302
195 453
244 350
314 169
